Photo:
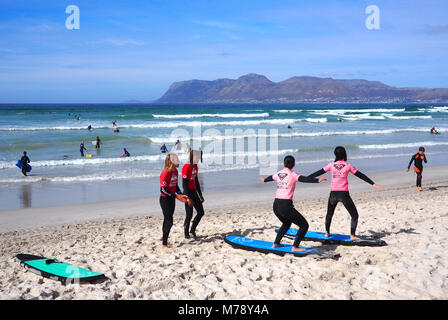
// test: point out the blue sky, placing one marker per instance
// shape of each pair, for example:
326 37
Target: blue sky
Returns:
128 50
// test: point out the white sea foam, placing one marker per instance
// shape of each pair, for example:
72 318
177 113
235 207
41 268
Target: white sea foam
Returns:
403 145
293 133
164 124
212 115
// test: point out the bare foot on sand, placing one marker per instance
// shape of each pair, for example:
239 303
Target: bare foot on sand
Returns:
298 249
353 238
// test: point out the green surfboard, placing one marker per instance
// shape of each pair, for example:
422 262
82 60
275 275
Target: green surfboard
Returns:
57 270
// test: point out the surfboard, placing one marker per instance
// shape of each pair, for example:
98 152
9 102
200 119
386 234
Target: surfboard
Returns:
336 238
28 167
88 156
57 270
266 247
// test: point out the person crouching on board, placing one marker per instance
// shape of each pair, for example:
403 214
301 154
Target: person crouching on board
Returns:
283 205
169 192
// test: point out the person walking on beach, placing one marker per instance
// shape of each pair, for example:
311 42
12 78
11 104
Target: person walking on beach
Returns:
24 162
82 148
98 142
169 192
192 189
283 205
340 169
418 159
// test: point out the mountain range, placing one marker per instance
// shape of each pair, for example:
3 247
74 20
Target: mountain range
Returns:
254 88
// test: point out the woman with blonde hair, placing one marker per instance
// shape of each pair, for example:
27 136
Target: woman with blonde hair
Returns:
169 192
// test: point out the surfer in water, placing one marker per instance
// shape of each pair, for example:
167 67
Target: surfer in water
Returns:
114 123
24 162
89 128
98 142
192 189
125 153
163 148
418 159
434 131
283 205
340 169
116 130
82 148
169 192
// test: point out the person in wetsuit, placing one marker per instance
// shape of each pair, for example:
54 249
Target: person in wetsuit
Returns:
340 169
192 189
24 162
98 142
82 148
169 192
163 148
283 205
125 153
418 159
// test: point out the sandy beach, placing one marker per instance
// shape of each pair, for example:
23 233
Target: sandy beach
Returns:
122 239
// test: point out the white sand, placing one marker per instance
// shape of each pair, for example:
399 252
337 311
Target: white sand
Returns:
128 250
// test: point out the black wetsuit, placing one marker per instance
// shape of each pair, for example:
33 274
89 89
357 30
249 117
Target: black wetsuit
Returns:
287 214
195 195
344 197
418 166
24 162
168 204
192 189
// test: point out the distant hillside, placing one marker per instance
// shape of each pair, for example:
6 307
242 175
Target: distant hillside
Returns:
254 88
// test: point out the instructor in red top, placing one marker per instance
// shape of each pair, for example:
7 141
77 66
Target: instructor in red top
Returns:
192 189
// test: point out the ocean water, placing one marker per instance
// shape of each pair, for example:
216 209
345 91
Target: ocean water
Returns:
236 141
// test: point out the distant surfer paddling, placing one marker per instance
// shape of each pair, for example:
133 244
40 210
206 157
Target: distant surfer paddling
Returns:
163 149
434 131
283 206
125 153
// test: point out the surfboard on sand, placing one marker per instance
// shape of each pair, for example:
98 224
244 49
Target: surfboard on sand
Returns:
19 165
266 247
336 238
57 270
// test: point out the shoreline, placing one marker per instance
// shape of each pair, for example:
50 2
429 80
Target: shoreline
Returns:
17 219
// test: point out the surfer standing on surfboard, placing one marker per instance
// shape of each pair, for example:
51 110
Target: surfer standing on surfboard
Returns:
340 169
283 206
169 192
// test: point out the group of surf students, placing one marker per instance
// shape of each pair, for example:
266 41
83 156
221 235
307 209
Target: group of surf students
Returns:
283 206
